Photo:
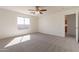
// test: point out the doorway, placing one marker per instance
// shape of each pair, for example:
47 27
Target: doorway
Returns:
70 25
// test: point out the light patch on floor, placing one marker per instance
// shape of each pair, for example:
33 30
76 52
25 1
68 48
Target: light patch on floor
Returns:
18 40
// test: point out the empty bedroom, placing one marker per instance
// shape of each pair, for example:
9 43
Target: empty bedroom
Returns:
39 29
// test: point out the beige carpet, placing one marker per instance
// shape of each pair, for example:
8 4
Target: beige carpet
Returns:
38 42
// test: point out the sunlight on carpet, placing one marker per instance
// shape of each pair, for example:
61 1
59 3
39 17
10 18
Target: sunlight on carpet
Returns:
18 40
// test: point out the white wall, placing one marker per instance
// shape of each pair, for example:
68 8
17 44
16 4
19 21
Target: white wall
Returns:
54 23
49 23
71 21
8 24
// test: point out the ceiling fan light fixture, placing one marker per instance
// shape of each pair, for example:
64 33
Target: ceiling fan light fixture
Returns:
36 13
37 10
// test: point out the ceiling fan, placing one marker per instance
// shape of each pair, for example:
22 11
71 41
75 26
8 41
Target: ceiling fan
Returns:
37 10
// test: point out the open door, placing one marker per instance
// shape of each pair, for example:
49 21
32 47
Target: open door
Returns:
70 26
76 28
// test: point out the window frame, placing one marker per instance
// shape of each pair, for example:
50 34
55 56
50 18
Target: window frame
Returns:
24 25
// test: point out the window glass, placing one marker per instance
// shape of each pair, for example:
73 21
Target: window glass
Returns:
20 20
23 23
27 21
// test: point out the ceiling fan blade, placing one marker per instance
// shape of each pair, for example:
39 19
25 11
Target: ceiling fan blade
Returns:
43 10
41 13
31 10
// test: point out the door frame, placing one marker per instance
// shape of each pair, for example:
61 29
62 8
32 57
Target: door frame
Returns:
77 14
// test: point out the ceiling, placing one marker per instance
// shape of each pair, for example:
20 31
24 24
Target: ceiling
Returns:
24 9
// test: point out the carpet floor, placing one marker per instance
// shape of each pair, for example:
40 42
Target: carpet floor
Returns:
39 42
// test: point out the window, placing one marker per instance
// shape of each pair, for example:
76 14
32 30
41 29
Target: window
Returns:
23 23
